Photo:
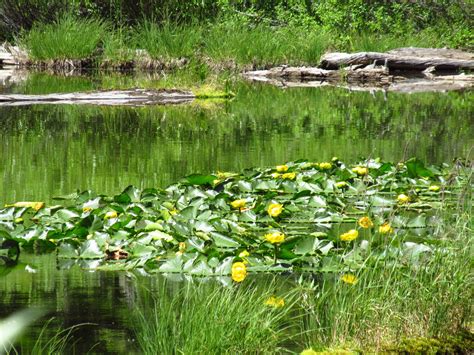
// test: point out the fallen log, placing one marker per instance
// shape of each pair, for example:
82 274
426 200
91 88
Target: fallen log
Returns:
396 83
417 59
379 75
136 97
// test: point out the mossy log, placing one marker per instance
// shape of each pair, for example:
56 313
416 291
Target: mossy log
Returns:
416 59
136 97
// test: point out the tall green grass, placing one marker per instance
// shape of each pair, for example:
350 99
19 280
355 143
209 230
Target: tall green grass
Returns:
168 41
212 319
264 46
233 43
68 38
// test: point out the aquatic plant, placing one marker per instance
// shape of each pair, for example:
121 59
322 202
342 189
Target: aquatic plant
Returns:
211 319
303 224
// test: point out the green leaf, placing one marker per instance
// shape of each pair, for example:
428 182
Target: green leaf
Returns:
306 245
90 250
172 265
66 215
416 168
224 242
199 179
67 250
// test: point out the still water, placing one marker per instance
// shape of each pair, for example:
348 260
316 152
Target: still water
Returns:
50 150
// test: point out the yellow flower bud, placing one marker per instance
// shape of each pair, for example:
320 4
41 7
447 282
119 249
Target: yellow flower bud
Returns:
238 203
110 214
244 254
360 170
276 302
289 176
239 271
434 188
385 228
349 236
325 166
282 168
275 237
402 198
349 279
275 209
365 222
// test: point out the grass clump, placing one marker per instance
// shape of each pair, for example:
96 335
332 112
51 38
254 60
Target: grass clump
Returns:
263 45
68 38
168 41
208 319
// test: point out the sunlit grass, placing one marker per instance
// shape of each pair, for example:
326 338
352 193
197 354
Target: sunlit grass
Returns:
68 38
213 319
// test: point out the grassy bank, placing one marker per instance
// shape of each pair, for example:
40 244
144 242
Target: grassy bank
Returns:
234 40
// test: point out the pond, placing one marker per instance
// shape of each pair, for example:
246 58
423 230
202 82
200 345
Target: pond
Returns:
51 150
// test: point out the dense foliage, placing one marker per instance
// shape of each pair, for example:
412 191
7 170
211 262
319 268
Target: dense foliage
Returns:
450 19
300 216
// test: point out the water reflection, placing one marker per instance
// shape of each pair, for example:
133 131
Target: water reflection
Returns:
53 150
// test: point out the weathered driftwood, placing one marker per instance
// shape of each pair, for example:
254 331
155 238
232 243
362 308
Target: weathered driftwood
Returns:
135 97
403 59
6 56
379 75
399 84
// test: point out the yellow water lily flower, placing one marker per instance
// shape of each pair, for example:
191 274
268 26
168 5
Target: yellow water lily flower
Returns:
275 209
325 166
239 271
434 188
309 351
385 228
365 222
110 214
238 203
276 175
289 176
402 198
34 205
340 184
276 302
182 246
282 168
173 211
350 235
360 170
275 237
244 254
349 279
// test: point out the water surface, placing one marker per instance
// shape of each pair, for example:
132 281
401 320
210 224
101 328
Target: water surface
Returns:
50 150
